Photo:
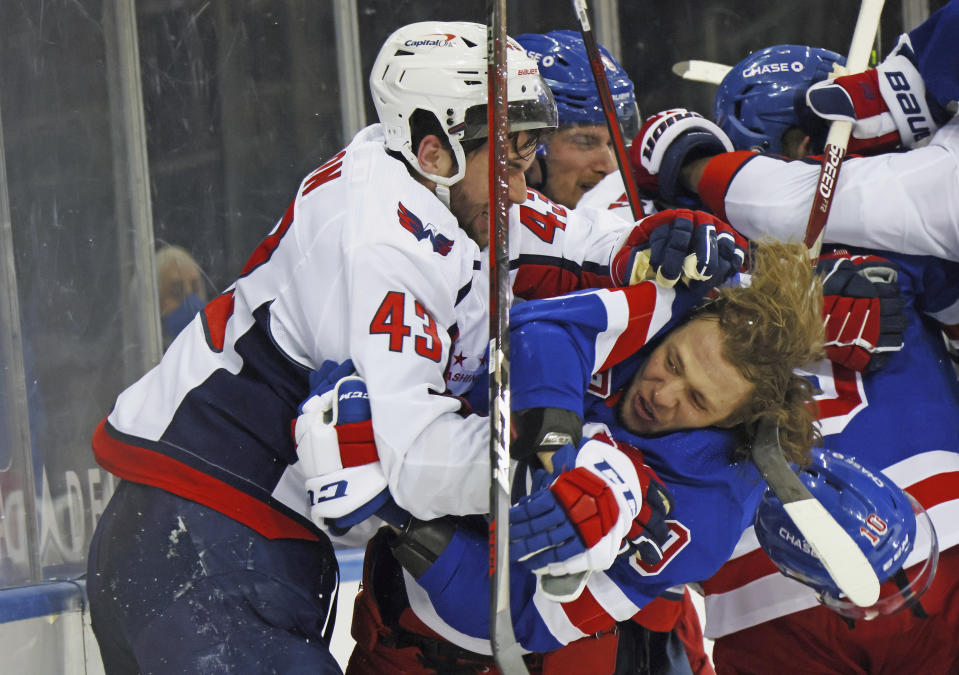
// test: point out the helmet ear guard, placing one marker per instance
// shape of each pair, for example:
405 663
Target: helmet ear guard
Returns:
764 94
890 526
440 67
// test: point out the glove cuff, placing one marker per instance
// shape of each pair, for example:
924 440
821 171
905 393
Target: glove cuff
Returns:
904 91
688 146
421 542
544 429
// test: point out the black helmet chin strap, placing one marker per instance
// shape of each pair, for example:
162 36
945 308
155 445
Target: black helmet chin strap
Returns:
902 582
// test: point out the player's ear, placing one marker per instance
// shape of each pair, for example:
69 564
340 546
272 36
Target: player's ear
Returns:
433 157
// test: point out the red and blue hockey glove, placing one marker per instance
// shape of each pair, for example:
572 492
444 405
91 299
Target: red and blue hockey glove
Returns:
862 310
337 454
887 106
665 143
580 521
679 244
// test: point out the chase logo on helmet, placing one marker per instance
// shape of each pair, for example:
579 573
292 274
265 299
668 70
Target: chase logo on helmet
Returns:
753 71
445 40
798 542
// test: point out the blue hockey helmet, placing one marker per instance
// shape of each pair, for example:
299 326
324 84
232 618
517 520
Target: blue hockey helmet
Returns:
876 513
764 94
564 65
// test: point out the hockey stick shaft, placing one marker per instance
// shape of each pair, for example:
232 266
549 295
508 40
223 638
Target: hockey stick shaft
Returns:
609 108
506 650
837 141
569 586
839 554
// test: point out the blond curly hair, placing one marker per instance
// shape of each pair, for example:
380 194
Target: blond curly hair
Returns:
771 327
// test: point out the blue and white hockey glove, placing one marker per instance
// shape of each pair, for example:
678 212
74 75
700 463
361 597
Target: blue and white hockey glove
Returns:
337 453
680 245
589 513
887 106
667 141
862 310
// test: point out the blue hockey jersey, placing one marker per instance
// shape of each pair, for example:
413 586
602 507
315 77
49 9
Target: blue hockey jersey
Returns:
558 345
903 419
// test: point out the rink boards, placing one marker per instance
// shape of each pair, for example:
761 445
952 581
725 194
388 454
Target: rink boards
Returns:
45 628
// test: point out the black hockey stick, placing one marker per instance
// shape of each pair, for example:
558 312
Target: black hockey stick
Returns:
567 587
506 650
609 108
839 554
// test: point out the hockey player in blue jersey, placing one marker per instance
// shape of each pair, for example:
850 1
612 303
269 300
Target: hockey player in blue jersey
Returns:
579 154
904 420
634 406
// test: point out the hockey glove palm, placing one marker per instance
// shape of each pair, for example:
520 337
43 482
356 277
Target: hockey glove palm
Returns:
665 143
862 310
337 454
887 106
673 245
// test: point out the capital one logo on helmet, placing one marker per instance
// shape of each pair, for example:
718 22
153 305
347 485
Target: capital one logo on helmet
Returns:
794 66
443 40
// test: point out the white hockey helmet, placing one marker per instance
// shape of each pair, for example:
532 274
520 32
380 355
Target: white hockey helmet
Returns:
440 67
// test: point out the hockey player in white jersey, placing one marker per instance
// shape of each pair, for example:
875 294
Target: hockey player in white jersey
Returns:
377 259
903 201
372 260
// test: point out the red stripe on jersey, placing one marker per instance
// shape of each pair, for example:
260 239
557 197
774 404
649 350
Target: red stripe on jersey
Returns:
641 300
543 281
587 614
739 572
715 181
660 614
215 315
149 467
935 490
268 245
593 280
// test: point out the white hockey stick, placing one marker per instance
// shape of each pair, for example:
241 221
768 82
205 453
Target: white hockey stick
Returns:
839 554
837 141
709 72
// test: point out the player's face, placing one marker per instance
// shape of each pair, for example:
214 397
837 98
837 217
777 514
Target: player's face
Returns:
686 383
469 198
577 158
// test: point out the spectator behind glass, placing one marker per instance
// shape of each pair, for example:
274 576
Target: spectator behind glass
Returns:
181 289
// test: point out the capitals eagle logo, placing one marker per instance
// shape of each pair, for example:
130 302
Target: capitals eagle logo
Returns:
412 223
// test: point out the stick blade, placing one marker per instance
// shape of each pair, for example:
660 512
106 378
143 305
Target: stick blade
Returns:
709 72
838 552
